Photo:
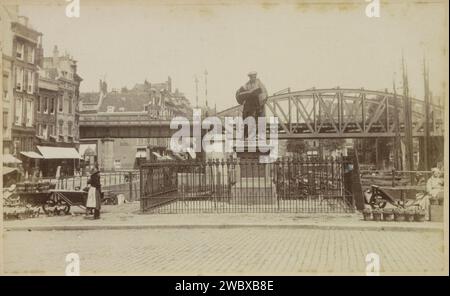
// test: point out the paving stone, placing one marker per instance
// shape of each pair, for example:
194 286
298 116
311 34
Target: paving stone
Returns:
223 251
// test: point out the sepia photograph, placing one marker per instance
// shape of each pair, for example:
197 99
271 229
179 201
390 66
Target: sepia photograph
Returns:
224 138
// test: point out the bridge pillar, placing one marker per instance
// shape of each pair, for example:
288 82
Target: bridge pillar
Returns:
105 154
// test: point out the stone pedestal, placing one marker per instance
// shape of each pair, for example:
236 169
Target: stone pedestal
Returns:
253 191
254 184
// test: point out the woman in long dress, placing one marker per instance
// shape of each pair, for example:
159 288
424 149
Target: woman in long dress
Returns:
94 194
434 188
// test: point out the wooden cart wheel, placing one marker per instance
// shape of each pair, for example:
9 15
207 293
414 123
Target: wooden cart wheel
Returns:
66 210
66 207
45 206
380 201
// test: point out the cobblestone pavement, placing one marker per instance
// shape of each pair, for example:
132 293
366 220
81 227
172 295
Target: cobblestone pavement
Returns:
129 215
223 251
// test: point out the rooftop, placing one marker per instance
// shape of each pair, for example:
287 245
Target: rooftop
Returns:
135 99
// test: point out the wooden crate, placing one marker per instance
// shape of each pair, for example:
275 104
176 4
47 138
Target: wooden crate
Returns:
436 213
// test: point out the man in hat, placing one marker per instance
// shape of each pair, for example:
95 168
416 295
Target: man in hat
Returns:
253 96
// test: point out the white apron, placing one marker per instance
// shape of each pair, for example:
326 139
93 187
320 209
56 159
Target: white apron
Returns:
91 202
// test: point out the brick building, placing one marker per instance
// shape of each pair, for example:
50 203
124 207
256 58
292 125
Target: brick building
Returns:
7 15
46 106
26 48
158 100
63 70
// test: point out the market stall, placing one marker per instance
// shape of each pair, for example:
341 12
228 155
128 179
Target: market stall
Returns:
66 157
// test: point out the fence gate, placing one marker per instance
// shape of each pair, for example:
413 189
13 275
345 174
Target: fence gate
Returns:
289 185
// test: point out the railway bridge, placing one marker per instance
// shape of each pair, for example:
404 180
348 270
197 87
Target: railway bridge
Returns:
307 114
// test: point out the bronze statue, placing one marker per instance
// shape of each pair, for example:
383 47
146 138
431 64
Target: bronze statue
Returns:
253 96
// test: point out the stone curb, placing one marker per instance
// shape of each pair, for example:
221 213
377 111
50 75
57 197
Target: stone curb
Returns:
223 226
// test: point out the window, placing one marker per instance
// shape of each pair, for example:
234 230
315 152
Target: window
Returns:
69 128
18 112
45 108
30 82
19 51
44 131
30 55
39 130
110 109
38 104
122 109
70 102
60 128
19 79
5 87
29 113
5 119
60 103
52 105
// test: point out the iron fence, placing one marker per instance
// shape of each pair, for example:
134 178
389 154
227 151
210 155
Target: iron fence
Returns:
246 185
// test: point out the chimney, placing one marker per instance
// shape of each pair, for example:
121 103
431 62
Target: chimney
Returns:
55 56
40 56
105 87
23 20
169 84
100 86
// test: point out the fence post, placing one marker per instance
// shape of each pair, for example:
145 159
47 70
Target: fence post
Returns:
356 183
130 179
141 189
393 177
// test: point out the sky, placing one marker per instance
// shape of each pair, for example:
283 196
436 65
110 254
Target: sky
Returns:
289 45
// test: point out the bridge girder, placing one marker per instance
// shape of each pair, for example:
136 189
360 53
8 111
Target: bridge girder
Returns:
308 114
345 113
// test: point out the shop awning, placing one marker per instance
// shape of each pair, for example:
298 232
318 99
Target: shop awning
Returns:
58 152
191 153
156 154
141 154
178 156
8 170
8 158
31 154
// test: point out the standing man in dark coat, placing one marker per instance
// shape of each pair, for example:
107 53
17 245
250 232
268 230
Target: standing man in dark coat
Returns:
94 181
253 96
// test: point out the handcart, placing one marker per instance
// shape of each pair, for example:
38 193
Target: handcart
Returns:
378 197
62 200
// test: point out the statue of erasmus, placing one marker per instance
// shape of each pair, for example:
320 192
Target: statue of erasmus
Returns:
253 96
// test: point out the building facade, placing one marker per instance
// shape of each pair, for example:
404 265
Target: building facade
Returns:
7 15
46 106
63 70
155 99
26 48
